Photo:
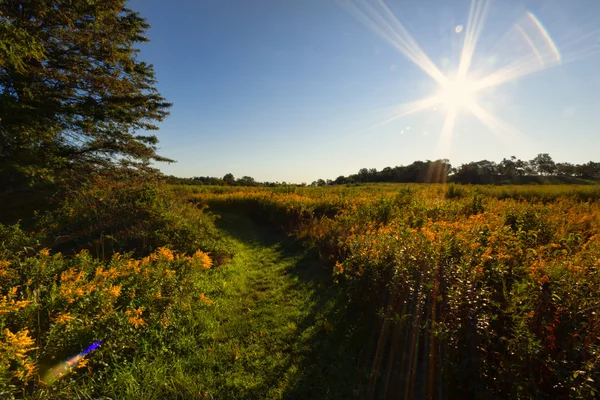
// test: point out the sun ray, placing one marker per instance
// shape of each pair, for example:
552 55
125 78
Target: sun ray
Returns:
475 23
380 19
502 129
403 110
459 92
442 148
529 65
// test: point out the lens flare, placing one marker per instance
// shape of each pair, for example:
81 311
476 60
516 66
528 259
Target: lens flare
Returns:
459 92
544 34
66 367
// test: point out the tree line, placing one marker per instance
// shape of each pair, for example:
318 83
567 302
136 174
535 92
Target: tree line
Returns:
541 169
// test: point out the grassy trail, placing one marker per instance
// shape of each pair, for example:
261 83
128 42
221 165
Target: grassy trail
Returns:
275 330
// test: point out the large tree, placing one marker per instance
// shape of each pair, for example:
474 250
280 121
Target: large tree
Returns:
73 93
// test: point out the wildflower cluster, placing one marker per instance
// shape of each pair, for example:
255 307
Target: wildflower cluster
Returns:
67 302
503 282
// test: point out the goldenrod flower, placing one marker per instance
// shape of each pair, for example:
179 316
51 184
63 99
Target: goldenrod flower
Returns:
114 290
8 304
339 268
135 317
169 273
203 259
205 300
164 253
63 318
15 347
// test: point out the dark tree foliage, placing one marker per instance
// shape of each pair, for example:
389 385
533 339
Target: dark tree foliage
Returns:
73 94
510 170
229 179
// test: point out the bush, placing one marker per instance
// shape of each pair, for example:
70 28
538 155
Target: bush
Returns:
51 308
133 214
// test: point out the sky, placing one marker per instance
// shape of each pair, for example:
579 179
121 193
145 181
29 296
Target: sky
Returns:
296 90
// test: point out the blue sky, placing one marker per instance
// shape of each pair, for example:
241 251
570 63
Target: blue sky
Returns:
295 90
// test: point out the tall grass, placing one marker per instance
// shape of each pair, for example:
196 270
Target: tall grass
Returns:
482 291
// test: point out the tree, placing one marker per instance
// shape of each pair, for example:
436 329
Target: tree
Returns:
340 180
591 170
363 175
565 169
246 181
508 168
229 179
72 92
543 164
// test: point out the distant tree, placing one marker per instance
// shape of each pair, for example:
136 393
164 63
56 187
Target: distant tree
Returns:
543 164
74 94
340 180
508 168
321 182
246 181
229 179
363 175
483 171
520 166
565 169
590 170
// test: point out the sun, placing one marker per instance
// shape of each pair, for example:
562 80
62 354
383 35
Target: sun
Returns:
457 94
462 88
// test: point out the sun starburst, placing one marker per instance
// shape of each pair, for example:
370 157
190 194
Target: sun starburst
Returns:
459 92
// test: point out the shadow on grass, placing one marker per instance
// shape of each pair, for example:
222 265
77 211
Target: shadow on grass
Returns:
335 345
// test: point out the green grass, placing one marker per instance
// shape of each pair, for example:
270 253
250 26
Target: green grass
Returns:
277 329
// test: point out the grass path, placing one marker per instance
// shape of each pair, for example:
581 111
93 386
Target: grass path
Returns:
275 330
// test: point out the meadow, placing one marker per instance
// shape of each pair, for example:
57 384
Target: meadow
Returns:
491 292
136 289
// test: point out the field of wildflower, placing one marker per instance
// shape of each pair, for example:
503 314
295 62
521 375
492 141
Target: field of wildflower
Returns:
54 306
133 290
485 292
105 275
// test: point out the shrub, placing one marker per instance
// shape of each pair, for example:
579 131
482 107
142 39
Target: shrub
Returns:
52 308
134 214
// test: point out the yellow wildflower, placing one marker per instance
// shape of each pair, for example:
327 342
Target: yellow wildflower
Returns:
164 253
8 304
15 347
45 252
63 318
169 273
134 264
82 363
205 300
339 268
3 272
203 259
135 317
114 290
